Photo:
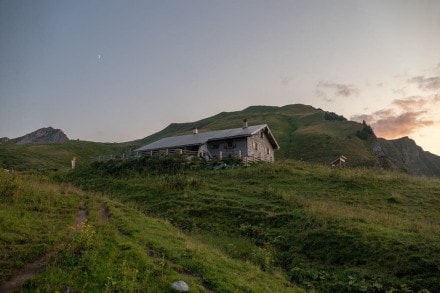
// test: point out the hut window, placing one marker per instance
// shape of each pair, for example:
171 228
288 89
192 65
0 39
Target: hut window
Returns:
229 143
214 146
267 151
262 134
255 145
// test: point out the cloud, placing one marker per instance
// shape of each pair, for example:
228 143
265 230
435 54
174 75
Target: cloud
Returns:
411 103
404 117
345 90
398 125
426 83
429 81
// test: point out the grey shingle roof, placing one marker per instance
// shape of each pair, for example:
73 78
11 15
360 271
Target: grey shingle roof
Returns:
203 137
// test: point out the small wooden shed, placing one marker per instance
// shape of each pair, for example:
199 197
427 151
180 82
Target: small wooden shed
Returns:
339 162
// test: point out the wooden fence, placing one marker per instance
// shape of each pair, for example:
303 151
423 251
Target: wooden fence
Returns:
247 160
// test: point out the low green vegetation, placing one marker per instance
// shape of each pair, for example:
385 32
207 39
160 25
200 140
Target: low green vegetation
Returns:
34 217
118 248
327 229
56 155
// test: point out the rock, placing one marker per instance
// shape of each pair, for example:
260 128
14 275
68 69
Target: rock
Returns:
180 286
42 136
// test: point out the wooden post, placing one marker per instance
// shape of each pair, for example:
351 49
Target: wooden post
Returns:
239 154
220 155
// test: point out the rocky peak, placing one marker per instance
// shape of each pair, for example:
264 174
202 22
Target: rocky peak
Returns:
404 154
42 136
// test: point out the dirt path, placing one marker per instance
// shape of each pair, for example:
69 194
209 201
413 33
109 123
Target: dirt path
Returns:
31 269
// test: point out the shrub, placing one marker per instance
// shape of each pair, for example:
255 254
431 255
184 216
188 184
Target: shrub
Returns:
331 116
8 184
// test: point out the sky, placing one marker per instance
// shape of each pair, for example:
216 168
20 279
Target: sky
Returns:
115 71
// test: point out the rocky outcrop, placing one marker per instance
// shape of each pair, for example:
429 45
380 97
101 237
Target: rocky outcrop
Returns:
42 136
406 155
4 139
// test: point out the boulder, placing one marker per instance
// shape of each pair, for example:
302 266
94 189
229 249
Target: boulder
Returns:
180 286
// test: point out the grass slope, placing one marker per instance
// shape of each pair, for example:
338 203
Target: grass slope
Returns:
119 249
330 230
302 132
57 155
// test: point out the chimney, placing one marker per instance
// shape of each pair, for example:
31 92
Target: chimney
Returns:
245 124
195 130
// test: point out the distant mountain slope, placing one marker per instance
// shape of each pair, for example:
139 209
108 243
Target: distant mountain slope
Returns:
315 135
42 136
406 155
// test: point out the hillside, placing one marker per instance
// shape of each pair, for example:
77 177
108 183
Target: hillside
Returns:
303 132
54 155
57 238
404 154
327 229
314 135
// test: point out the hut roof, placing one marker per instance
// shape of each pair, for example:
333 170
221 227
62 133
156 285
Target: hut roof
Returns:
204 137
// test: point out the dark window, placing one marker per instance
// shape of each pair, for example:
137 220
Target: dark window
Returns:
230 145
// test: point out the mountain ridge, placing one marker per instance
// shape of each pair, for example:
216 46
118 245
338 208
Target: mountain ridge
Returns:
318 136
304 133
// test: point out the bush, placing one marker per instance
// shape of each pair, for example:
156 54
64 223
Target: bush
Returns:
179 182
8 184
366 132
331 116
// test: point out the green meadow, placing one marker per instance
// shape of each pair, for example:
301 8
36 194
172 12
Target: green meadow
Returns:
118 249
322 228
288 226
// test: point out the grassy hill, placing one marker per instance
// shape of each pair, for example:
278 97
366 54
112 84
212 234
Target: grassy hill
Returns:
117 249
55 155
326 229
314 135
302 131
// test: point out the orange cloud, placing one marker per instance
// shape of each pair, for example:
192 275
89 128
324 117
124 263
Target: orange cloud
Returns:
407 117
394 126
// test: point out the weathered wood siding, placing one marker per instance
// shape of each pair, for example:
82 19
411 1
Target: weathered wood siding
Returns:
260 147
233 146
257 146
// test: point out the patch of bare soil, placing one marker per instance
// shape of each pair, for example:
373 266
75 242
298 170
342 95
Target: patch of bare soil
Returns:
31 269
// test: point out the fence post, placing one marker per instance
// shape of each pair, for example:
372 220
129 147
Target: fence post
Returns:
220 155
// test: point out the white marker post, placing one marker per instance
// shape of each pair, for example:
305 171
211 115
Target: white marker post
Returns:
73 162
